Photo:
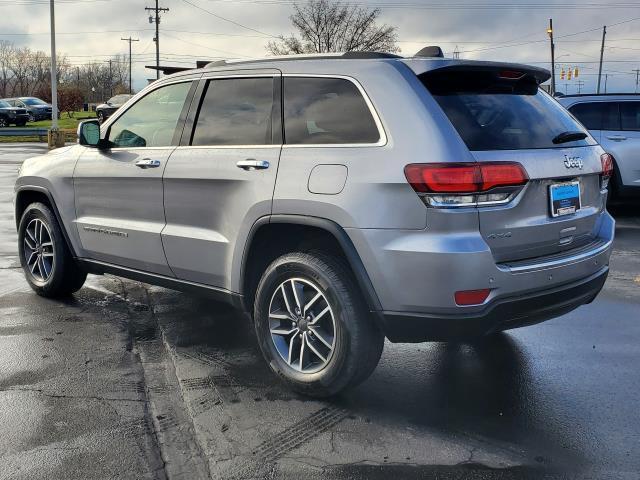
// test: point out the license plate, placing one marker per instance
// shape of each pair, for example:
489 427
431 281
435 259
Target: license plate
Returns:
564 198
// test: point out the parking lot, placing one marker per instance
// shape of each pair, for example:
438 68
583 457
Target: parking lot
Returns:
126 380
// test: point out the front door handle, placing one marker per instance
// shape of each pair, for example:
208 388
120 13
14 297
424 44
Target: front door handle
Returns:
148 163
616 138
252 164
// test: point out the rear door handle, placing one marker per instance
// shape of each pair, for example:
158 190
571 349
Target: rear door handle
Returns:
148 163
616 138
252 164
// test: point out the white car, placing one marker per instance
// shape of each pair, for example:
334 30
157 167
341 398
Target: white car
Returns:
614 121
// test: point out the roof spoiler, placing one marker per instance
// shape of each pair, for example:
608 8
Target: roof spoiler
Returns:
507 71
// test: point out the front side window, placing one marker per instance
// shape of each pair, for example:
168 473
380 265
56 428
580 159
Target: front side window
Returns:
630 115
152 121
235 111
326 111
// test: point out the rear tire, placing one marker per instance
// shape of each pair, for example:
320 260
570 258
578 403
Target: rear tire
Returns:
342 346
3 123
46 260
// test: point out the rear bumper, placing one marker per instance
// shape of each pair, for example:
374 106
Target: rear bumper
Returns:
501 314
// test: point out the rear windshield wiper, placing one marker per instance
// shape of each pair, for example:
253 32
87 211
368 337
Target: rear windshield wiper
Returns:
565 137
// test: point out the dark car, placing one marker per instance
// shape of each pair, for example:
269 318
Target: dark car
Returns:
12 115
105 110
37 109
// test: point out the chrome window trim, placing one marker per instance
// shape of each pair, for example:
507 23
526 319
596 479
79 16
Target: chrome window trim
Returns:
383 140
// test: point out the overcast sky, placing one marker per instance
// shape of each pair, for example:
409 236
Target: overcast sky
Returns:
91 30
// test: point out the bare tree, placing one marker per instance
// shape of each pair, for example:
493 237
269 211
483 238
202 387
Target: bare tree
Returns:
329 26
6 74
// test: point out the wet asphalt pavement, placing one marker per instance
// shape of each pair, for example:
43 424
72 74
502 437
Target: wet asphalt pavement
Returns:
130 381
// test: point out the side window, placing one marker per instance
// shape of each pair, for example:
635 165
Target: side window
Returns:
630 115
589 114
326 111
597 115
235 111
152 121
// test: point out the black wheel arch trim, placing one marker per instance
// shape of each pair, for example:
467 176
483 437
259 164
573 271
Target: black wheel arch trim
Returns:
54 207
343 239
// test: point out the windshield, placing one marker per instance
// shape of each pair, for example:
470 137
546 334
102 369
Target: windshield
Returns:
119 99
491 113
4 104
33 101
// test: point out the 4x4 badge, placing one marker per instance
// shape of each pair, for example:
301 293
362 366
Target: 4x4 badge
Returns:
573 162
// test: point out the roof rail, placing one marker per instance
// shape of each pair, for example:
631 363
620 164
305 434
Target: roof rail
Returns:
310 56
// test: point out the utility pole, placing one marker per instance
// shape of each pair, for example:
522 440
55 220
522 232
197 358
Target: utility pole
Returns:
54 70
606 78
130 40
156 18
637 70
553 60
77 77
110 78
604 34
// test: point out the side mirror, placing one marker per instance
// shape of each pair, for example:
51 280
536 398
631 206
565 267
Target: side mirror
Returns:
89 134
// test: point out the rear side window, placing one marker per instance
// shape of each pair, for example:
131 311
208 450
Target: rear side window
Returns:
597 115
326 111
491 113
630 115
235 111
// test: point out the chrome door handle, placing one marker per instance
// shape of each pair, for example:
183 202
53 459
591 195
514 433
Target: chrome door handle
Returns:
251 164
148 163
616 138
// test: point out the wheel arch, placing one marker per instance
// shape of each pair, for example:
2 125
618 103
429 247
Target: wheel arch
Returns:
315 233
28 194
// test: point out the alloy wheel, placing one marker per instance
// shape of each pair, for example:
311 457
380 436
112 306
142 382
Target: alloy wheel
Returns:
3 123
302 325
38 250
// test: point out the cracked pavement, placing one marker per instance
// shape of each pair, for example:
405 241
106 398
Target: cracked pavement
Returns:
131 381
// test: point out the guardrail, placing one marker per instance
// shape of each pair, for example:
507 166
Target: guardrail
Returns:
23 132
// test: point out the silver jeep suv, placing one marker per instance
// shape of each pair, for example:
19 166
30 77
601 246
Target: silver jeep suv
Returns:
336 200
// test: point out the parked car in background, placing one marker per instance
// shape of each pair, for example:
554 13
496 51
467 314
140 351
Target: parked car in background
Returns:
12 115
36 108
105 110
614 121
336 199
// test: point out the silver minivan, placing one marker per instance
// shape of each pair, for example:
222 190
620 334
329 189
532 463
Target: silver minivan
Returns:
336 200
614 121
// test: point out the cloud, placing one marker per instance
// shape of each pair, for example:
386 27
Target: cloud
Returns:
91 30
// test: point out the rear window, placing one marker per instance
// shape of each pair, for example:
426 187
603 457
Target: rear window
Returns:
326 111
597 115
491 113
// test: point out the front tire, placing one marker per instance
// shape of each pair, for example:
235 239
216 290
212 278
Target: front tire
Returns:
312 325
46 260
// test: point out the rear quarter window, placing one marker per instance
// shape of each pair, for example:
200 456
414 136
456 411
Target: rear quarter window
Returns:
326 111
491 113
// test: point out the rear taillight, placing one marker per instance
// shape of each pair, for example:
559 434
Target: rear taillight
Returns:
607 169
466 184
